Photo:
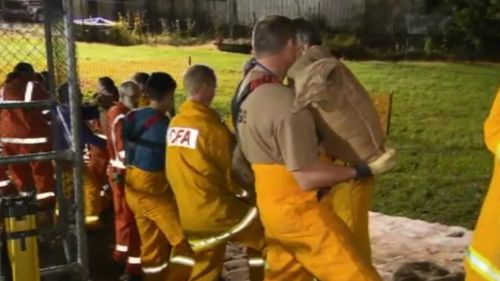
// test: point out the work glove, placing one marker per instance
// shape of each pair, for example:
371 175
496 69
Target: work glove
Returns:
384 163
322 192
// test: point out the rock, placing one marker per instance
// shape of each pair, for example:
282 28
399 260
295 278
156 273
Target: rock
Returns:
456 234
425 271
397 241
236 265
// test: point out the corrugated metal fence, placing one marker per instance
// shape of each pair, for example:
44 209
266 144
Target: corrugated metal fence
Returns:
336 13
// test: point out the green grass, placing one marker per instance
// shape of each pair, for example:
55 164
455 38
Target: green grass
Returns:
437 117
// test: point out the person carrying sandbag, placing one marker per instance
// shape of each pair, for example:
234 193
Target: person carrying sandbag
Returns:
347 122
305 240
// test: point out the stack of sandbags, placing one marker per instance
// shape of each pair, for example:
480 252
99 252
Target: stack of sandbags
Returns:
236 266
344 113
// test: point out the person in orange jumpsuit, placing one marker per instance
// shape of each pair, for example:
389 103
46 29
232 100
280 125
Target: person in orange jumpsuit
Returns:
6 186
127 240
26 131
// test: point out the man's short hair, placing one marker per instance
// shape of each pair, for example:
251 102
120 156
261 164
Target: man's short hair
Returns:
141 78
307 32
271 34
109 87
107 82
128 88
160 85
198 75
24 68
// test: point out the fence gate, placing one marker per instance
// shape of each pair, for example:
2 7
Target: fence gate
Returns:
41 33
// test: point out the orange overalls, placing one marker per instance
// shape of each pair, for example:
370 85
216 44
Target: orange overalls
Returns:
26 131
6 187
126 234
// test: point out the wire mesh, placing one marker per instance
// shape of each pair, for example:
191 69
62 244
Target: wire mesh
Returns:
36 33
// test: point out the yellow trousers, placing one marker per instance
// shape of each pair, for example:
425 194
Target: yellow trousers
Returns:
158 224
94 202
305 239
351 201
209 263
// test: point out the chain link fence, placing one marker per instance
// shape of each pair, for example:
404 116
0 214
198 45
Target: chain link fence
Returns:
32 165
121 69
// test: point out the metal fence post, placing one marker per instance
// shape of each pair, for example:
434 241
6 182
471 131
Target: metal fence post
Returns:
76 146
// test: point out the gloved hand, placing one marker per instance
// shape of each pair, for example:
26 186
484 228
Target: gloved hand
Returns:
384 163
322 192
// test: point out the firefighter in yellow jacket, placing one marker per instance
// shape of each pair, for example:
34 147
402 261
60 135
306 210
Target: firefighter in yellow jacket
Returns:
304 239
165 253
199 170
483 256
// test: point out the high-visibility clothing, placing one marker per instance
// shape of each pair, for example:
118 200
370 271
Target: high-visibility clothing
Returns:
26 131
199 157
157 220
97 166
305 239
114 134
208 266
199 171
143 100
23 126
351 202
95 176
39 174
127 239
6 186
483 256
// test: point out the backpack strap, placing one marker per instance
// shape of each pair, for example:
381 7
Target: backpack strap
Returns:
242 94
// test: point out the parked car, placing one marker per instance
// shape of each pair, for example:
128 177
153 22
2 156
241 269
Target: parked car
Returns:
22 10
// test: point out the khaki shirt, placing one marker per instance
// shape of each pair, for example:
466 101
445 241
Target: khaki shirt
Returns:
270 133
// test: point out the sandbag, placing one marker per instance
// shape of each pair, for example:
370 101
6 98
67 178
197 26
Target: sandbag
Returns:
346 118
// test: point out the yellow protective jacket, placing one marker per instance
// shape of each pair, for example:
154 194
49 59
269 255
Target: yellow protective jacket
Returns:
198 165
483 255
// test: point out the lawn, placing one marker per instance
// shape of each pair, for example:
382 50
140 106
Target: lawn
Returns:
437 117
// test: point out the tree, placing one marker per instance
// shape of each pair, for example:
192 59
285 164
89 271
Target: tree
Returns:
473 25
151 17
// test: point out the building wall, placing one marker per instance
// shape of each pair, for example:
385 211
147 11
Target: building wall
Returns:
336 13
374 16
